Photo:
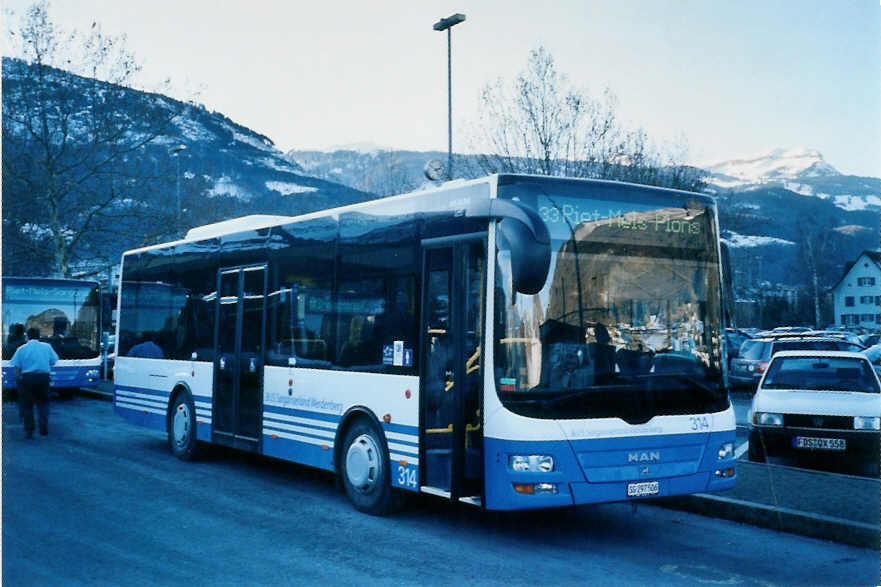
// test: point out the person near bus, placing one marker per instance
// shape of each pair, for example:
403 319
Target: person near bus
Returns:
32 362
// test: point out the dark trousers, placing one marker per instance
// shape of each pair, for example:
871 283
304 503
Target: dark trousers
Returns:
34 388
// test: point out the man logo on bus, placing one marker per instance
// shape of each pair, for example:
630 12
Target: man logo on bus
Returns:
643 457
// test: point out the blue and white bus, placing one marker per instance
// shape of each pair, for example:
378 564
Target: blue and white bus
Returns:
512 342
68 314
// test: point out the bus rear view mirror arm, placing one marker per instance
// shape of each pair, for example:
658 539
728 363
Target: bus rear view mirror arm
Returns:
528 238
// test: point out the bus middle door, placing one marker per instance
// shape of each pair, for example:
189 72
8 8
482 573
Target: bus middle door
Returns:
238 364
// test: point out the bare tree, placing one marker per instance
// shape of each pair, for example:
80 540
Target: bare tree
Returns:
543 124
72 143
388 176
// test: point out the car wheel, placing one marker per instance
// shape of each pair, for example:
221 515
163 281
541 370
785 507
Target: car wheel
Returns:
756 451
182 427
365 470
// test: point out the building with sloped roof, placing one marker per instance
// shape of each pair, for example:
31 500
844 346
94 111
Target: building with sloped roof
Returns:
857 295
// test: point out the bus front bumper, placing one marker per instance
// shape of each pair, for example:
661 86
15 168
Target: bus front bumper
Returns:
607 470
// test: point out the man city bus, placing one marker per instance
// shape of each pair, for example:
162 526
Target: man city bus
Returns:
511 342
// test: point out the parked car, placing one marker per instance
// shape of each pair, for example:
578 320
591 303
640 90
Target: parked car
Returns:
734 337
815 403
868 340
755 354
848 336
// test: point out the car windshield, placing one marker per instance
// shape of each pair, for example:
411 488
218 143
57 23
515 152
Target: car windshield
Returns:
821 374
629 318
755 350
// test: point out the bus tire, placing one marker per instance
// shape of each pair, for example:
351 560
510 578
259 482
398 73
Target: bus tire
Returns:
182 427
364 469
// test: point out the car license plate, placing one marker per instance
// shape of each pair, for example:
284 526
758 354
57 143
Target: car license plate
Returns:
811 443
641 489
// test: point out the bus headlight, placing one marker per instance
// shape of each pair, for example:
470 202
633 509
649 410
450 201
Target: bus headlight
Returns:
92 374
531 463
866 423
768 419
726 451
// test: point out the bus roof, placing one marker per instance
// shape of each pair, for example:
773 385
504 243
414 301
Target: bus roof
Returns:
258 221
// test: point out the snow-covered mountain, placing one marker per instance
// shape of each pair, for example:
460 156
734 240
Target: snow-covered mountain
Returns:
799 170
774 165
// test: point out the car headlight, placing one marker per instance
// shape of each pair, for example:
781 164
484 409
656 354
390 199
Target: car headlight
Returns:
726 451
768 419
531 463
866 423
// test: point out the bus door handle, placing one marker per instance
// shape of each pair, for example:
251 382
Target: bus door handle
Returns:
449 382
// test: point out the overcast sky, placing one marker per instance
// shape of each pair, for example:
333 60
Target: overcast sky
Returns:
733 78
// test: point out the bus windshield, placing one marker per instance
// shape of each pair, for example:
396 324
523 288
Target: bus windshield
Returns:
66 314
628 323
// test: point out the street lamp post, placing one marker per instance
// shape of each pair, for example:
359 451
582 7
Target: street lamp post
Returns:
447 24
175 152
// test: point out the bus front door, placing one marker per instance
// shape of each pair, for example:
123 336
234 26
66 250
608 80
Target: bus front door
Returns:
238 363
451 424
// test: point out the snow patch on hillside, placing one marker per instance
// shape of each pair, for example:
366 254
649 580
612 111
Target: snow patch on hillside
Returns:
854 203
257 143
286 189
225 186
192 130
744 240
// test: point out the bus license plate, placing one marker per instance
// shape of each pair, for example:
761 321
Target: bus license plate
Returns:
641 489
811 443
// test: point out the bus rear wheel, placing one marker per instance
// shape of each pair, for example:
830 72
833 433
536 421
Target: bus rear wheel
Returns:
182 427
365 471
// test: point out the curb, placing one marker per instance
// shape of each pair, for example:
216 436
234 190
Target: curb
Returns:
779 518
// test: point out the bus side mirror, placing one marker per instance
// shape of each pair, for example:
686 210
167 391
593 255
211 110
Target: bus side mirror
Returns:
530 258
527 236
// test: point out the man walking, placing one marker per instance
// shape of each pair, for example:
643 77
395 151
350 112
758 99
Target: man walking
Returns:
33 360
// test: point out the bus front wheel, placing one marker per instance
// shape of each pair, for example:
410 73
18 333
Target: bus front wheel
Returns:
182 427
365 470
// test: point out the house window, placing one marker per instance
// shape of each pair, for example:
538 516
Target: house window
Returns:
865 281
867 299
848 301
878 300
867 318
877 318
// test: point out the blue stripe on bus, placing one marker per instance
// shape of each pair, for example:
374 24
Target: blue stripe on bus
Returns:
268 430
305 453
404 442
268 419
144 390
302 413
401 428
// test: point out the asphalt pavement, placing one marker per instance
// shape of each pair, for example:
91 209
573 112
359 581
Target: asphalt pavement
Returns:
102 502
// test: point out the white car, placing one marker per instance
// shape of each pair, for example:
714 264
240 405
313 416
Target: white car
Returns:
817 402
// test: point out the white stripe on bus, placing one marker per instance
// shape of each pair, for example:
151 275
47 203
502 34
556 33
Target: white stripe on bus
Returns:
138 408
307 440
301 429
125 393
139 402
402 436
270 416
